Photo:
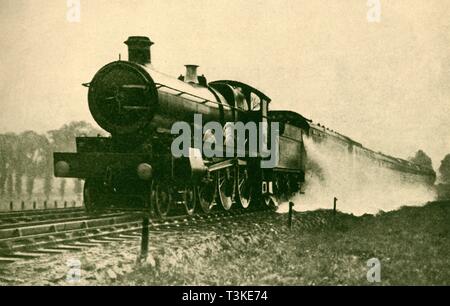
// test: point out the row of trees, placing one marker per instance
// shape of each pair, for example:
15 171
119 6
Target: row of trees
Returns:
444 170
423 159
443 182
443 187
29 156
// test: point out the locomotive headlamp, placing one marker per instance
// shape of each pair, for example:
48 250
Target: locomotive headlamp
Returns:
62 168
145 171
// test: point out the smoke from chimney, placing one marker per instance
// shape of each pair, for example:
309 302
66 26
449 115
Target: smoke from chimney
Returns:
139 49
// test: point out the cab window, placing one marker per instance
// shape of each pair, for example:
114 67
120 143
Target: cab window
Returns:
241 102
255 102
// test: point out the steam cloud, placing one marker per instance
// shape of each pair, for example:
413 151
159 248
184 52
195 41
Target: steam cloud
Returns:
359 185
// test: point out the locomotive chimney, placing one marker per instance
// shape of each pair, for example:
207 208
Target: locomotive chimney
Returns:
139 49
191 74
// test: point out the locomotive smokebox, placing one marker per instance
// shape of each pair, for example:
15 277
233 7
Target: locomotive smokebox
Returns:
139 49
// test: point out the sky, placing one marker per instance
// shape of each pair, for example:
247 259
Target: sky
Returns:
385 84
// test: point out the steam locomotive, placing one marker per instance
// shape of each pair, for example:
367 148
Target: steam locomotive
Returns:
135 168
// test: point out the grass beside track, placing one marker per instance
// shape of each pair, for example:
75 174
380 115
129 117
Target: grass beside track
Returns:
412 244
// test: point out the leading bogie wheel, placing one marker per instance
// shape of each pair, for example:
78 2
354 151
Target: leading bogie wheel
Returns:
92 197
161 197
206 193
190 199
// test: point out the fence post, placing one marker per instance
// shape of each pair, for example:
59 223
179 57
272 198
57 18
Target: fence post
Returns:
11 206
23 205
144 238
334 206
291 205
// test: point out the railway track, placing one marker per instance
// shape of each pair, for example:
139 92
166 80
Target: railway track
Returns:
42 214
71 232
35 218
